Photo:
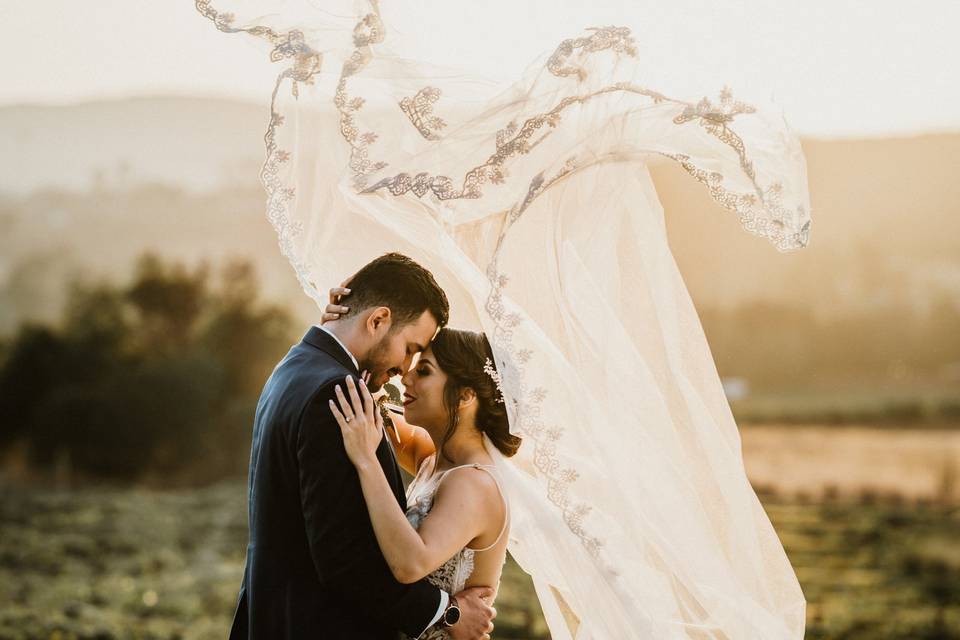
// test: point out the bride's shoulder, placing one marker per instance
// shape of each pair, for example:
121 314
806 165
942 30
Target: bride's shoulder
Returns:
474 483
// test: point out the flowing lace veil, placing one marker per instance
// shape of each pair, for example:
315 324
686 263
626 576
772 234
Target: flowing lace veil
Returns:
533 206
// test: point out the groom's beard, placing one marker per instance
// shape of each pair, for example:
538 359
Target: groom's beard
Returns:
376 363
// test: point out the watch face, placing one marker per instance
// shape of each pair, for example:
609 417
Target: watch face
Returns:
452 616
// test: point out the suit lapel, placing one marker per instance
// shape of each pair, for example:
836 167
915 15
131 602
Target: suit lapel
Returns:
391 470
320 339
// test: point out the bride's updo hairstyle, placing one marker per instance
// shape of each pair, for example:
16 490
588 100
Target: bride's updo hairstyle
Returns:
463 355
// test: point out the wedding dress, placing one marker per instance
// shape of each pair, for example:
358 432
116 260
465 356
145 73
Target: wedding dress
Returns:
453 574
532 204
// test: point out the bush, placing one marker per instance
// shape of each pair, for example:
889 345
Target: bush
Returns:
158 378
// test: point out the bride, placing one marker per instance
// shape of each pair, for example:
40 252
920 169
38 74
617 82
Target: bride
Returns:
458 414
533 205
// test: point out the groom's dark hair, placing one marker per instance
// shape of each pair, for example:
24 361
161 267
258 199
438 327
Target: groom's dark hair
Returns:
393 280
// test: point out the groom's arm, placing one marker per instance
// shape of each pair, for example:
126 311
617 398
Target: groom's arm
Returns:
343 546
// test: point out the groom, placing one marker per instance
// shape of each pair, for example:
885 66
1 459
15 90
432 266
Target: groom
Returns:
314 569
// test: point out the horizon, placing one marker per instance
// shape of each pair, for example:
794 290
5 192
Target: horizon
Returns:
254 101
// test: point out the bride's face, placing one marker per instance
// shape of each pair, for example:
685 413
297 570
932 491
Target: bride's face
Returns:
423 395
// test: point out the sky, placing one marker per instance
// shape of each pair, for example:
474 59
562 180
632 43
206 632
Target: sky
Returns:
838 68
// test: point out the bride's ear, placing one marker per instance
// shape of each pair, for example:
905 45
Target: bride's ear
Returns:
468 397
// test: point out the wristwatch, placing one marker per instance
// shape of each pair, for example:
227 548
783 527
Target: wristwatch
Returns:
451 614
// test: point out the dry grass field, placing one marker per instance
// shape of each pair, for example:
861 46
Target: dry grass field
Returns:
874 563
853 461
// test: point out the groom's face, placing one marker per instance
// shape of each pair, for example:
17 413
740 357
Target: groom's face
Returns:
394 353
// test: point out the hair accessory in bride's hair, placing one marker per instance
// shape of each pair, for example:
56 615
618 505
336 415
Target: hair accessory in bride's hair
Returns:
493 373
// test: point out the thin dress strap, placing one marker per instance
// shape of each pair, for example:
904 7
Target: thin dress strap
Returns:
506 505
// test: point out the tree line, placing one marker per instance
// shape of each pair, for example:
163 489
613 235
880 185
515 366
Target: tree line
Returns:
155 378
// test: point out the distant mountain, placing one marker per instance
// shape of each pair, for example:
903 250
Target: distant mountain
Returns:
886 212
195 143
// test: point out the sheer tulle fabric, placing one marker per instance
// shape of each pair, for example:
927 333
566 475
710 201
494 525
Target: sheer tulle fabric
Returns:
533 206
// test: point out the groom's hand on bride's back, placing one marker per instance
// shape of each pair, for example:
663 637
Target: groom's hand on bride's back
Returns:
476 614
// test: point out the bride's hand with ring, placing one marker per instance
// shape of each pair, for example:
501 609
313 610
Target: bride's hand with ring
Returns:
360 422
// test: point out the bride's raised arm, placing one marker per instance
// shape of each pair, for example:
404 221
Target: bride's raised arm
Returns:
411 443
464 506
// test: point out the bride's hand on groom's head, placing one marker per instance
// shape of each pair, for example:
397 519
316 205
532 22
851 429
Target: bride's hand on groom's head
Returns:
334 309
360 422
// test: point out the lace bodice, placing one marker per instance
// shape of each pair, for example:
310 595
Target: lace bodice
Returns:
453 574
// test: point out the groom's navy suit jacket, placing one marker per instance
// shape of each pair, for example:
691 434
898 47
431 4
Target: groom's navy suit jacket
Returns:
314 569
